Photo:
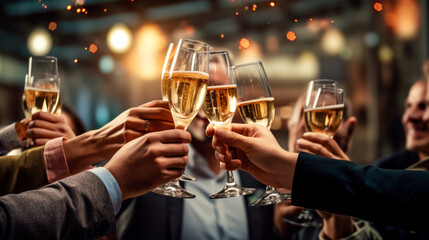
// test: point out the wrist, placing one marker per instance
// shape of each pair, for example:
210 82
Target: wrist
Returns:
337 227
83 151
286 169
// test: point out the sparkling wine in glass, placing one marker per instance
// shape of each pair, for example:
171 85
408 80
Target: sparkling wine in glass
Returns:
189 74
323 110
219 107
165 76
42 85
323 113
256 106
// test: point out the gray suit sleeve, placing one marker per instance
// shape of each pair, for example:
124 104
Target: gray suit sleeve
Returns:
78 207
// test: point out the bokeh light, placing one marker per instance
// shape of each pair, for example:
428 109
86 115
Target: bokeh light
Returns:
147 55
52 26
333 41
119 38
291 36
378 7
244 43
106 64
39 42
385 54
93 48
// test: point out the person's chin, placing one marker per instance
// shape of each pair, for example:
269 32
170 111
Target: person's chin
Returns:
419 144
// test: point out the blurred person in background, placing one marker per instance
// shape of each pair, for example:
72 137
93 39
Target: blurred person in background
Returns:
154 216
416 129
334 226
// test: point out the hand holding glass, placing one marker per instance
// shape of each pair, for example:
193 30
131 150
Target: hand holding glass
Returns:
187 86
256 106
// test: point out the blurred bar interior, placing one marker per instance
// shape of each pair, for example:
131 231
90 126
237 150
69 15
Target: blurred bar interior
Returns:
111 52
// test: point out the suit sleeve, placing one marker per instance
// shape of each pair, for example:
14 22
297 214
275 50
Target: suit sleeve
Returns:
391 197
78 207
23 172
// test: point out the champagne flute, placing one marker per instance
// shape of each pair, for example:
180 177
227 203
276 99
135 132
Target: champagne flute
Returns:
42 85
323 113
219 107
256 106
187 88
164 90
323 110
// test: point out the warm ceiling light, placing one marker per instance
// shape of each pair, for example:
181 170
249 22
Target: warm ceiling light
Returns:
333 42
52 26
93 48
244 43
119 38
39 42
148 52
291 36
378 7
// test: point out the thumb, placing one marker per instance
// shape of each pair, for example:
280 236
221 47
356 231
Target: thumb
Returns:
231 139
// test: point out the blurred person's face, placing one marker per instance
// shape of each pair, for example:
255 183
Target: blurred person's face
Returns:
198 126
218 75
415 126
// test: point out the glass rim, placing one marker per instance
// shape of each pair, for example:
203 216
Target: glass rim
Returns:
219 52
43 58
249 63
194 42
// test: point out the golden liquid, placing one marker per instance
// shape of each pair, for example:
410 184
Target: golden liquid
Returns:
220 103
325 120
258 111
25 108
41 100
188 90
58 110
164 86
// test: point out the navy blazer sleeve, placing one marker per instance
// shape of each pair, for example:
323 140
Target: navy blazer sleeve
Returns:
77 207
394 197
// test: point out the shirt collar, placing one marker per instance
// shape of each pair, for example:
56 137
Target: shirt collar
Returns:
197 166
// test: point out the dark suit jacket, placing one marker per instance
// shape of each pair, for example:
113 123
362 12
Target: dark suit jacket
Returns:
393 197
23 172
154 216
77 207
399 160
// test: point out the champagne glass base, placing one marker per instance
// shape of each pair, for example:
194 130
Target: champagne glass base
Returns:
232 191
271 197
173 189
187 178
304 219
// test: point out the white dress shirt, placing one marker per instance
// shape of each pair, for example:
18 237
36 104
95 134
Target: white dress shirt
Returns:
205 218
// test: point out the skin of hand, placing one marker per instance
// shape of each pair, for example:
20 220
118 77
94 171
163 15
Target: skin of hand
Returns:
256 151
322 145
334 226
45 126
149 161
101 144
284 228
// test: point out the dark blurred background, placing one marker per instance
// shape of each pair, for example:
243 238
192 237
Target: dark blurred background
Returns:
111 53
